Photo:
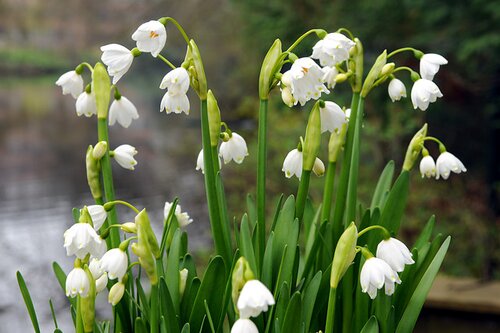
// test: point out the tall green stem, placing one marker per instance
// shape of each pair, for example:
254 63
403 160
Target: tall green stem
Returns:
107 178
261 180
154 322
326 207
221 245
330 313
302 194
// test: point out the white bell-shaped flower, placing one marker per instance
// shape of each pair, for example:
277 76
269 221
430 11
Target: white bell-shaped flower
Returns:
176 81
150 37
427 167
85 104
447 163
200 162
423 93
318 167
254 298
81 239
233 149
118 59
395 253
332 49
182 217
98 215
375 274
122 111
429 65
71 83
124 156
329 75
77 283
293 164
99 275
116 293
305 79
244 325
115 263
396 90
332 117
176 103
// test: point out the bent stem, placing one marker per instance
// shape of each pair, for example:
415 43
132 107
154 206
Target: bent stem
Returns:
261 180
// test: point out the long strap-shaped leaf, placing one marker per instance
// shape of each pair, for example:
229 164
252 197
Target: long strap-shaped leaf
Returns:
28 301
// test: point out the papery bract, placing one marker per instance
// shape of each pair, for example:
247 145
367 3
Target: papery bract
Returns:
150 37
122 111
118 59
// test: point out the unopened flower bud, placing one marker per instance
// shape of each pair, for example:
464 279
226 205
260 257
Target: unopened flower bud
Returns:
344 254
129 227
414 148
270 67
101 85
213 118
99 150
319 167
312 138
93 171
341 77
116 293
146 249
374 73
387 69
183 275
198 78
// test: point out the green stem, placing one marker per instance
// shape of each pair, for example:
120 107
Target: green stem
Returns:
403 49
165 60
261 180
326 207
154 309
341 196
121 202
330 313
302 193
107 178
304 35
79 319
178 26
222 247
387 235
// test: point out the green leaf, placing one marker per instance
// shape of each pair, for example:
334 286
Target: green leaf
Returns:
141 297
28 301
211 290
383 187
172 269
283 299
426 233
293 316
167 308
186 328
140 326
309 298
252 212
371 326
189 298
245 244
362 303
277 211
412 310
267 262
396 203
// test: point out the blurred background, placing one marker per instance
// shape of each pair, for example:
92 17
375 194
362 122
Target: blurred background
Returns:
43 142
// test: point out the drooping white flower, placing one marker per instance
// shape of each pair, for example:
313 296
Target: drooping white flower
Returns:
183 275
115 263
292 165
332 117
77 283
123 111
447 163
150 37
429 65
396 90
99 275
254 298
118 59
116 293
427 167
124 156
395 253
81 239
375 274
305 79
98 215
332 49
244 325
329 75
176 81
200 162
174 103
233 149
424 92
85 104
71 83
182 217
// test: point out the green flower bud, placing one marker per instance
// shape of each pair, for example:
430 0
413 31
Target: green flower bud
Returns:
312 138
336 143
87 308
358 60
196 70
101 86
344 254
146 249
129 227
387 69
414 148
270 66
374 73
116 293
213 119
183 275
241 274
341 77
99 150
93 173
